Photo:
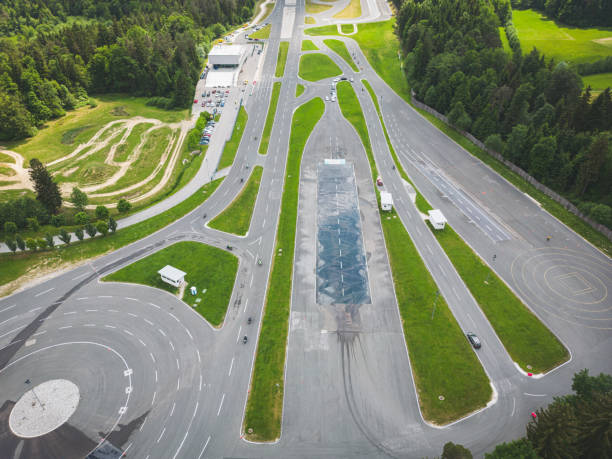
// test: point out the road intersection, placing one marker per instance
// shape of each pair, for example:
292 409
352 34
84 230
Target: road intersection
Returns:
158 382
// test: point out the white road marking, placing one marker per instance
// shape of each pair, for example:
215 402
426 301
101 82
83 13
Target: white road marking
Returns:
132 314
143 423
161 435
252 275
222 399
200 386
155 375
231 366
89 325
91 310
189 333
110 326
132 299
154 395
7 308
161 331
172 410
154 305
204 448
152 357
513 406
78 277
178 367
129 332
40 333
142 342
148 321
70 313
245 305
65 327
199 359
239 331
178 384
46 291
531 395
82 298
104 296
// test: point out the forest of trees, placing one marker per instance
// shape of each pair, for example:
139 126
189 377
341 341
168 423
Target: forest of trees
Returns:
580 13
54 52
531 109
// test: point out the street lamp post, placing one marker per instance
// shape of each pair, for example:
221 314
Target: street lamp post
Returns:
27 381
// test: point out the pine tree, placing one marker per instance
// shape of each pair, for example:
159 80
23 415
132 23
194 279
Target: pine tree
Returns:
47 191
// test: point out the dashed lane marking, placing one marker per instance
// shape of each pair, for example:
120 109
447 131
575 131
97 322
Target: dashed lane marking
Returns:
46 291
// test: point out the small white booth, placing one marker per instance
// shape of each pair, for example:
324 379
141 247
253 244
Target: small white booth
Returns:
386 200
437 219
171 275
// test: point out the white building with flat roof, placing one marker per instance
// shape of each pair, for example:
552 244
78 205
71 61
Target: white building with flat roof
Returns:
228 56
171 275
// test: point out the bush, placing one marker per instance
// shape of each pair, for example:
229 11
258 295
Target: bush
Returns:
20 242
90 230
18 210
124 206
79 199
494 142
12 245
41 242
92 103
31 244
58 220
33 224
602 214
65 236
102 228
81 218
10 228
79 234
49 240
112 225
102 213
160 102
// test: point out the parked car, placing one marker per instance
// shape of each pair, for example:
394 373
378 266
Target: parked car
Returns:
195 101
326 98
474 340
343 78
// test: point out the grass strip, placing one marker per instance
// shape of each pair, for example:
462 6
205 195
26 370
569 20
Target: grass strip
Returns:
262 33
317 66
420 202
299 90
309 20
265 137
265 402
441 358
353 10
526 339
209 269
315 8
236 218
341 50
14 266
281 60
231 146
347 28
308 45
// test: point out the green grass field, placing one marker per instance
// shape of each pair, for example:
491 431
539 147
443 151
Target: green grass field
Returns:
262 33
207 268
598 82
504 40
281 60
265 137
526 339
381 47
16 269
308 45
563 43
442 361
347 28
316 66
315 8
265 402
341 50
236 218
59 137
353 10
299 90
231 146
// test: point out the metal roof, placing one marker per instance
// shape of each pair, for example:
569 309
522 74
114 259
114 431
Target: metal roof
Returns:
171 273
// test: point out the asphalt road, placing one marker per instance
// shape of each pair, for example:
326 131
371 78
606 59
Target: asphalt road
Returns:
158 382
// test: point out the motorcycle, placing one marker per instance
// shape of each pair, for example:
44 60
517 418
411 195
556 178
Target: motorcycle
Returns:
244 340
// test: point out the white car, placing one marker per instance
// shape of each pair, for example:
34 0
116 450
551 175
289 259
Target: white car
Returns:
326 98
336 79
333 99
